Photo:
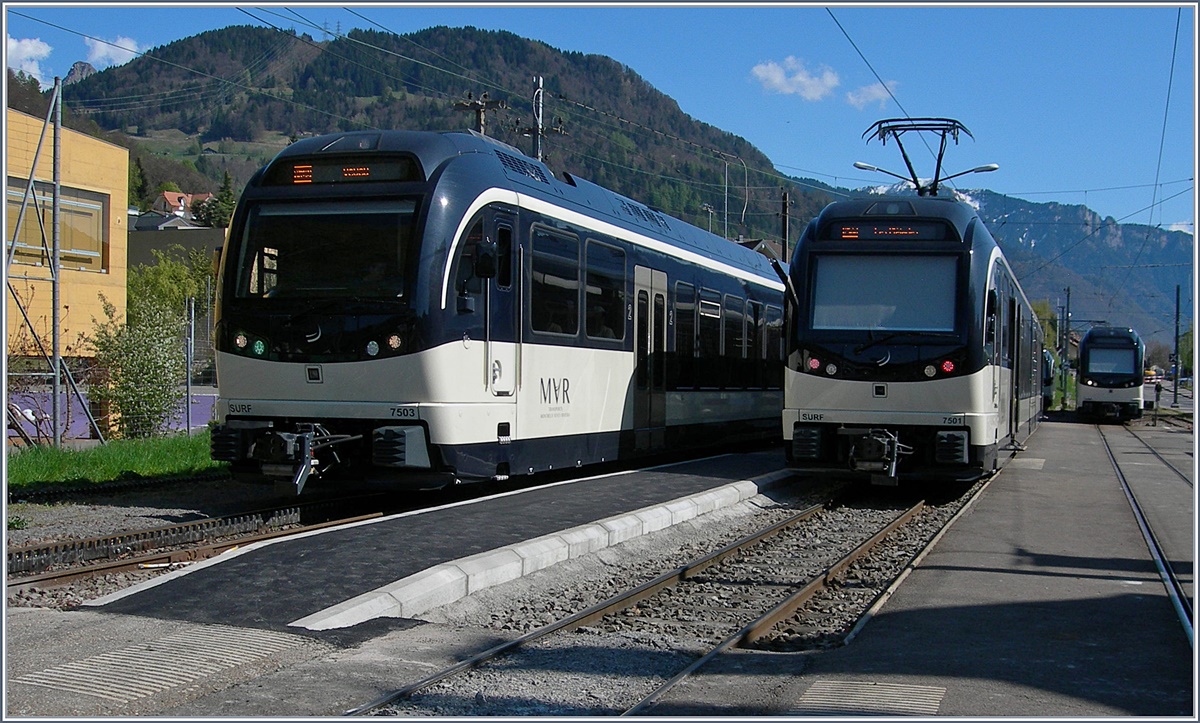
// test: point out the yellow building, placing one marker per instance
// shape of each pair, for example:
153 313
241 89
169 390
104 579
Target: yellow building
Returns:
93 203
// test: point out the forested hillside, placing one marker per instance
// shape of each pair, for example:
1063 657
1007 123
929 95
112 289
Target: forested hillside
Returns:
247 90
227 100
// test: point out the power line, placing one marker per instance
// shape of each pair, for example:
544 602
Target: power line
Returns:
201 73
1162 141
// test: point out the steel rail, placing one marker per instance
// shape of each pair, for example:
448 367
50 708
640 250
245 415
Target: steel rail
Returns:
167 559
1162 459
38 558
591 614
1171 581
782 611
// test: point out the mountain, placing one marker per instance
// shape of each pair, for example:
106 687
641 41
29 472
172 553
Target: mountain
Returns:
78 72
226 100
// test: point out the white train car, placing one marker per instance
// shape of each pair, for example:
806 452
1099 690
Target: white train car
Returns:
912 350
432 308
1110 379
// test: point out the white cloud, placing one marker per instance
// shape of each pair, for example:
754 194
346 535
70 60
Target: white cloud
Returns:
26 55
1185 226
792 78
876 92
102 54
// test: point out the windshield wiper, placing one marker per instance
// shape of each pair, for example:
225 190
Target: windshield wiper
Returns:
889 337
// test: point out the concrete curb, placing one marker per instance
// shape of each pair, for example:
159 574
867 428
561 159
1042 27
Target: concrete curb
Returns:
454 580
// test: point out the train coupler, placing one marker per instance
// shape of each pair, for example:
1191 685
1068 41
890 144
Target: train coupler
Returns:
876 451
290 458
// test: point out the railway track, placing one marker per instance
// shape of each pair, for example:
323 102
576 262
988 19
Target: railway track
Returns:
640 643
1172 580
70 561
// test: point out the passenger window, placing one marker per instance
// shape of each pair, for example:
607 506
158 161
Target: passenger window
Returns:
735 342
685 333
605 291
554 287
708 357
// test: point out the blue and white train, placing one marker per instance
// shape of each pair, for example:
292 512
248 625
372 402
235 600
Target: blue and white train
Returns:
912 350
1110 379
430 308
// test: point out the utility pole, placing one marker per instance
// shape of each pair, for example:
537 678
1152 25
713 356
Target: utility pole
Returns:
537 119
1175 374
1066 347
56 271
538 130
480 107
786 203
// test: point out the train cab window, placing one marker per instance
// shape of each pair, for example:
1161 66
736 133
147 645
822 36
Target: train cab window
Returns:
325 250
504 257
605 291
554 283
466 283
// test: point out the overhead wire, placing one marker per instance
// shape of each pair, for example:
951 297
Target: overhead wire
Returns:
1161 143
201 73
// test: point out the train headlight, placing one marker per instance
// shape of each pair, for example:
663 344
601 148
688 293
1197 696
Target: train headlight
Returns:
831 369
260 347
394 342
241 340
372 348
930 370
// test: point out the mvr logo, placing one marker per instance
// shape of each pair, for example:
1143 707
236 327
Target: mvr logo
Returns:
556 391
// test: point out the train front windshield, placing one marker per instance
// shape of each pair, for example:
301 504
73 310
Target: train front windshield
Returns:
884 293
1112 361
321 250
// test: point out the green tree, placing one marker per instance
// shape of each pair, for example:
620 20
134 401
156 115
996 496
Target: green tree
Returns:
138 185
176 275
217 210
138 369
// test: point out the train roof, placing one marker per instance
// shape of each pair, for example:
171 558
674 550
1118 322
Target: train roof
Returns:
957 212
432 149
1111 332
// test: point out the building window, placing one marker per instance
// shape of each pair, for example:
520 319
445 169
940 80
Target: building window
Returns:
83 231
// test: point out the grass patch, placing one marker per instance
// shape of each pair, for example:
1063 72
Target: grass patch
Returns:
117 460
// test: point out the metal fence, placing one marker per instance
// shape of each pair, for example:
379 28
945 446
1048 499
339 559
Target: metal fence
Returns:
82 417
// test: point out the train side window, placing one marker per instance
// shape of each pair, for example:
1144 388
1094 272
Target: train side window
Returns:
605 291
754 331
708 356
735 334
774 347
685 334
554 287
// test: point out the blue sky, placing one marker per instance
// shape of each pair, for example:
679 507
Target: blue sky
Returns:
1070 101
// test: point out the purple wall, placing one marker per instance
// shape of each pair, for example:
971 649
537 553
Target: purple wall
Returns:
39 403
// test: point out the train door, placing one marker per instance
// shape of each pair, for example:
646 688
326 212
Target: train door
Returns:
650 344
503 322
1017 370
